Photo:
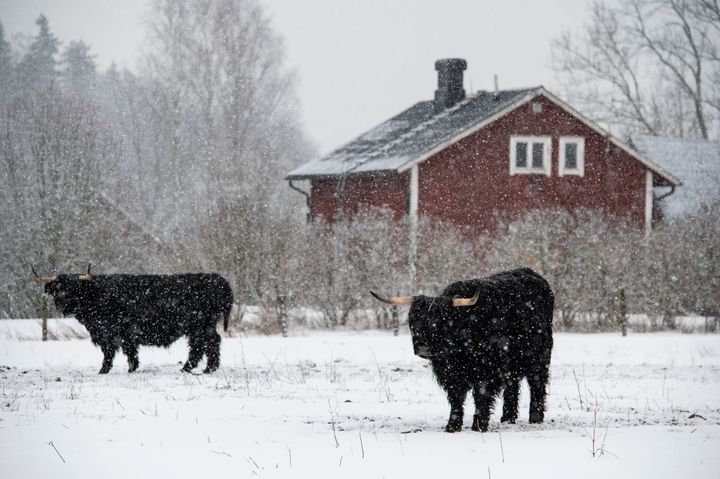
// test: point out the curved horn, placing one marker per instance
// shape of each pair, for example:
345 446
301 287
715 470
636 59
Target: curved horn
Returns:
86 277
42 279
459 302
395 301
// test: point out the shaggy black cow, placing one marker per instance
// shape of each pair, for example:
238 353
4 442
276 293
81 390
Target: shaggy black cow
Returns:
125 311
486 335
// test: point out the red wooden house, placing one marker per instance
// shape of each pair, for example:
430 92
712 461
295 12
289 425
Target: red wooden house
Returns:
474 159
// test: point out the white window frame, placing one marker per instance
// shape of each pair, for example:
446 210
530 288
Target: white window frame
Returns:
546 141
580 168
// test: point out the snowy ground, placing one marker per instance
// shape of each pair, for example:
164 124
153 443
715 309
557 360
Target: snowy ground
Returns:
351 405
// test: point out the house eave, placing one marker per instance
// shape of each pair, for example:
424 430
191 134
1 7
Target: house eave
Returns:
540 91
615 141
326 176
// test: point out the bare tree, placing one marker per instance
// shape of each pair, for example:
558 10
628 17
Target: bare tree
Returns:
50 150
210 129
222 98
647 66
56 153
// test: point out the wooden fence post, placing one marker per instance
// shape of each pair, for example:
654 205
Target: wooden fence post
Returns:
43 317
395 321
623 313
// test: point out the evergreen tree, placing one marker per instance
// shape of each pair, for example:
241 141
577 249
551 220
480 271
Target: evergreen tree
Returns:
37 70
79 68
6 65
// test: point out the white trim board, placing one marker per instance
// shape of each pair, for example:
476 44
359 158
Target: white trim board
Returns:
568 109
648 202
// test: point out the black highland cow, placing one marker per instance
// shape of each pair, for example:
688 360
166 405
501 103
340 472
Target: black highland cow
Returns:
126 311
486 335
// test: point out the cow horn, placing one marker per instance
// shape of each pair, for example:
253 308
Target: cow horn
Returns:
86 277
42 279
395 301
458 302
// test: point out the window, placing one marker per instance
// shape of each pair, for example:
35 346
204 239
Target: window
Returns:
530 155
572 156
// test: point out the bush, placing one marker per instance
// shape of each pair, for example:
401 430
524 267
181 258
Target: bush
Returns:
601 269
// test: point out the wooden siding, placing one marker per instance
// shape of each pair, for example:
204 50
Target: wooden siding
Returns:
469 183
333 197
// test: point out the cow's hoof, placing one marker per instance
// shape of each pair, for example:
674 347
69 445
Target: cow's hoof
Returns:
478 425
186 369
104 371
508 419
536 417
453 428
210 370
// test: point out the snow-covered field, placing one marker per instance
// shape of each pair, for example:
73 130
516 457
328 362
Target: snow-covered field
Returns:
351 405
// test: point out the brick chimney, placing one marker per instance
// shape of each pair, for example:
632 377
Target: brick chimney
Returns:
450 83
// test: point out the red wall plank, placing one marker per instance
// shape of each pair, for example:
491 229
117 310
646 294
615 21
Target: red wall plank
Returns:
469 183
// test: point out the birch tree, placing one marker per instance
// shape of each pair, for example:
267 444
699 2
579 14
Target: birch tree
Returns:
645 66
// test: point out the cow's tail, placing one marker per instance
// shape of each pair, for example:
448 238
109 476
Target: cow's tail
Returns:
226 318
227 301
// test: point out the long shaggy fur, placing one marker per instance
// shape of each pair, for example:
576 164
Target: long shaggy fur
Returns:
489 347
126 311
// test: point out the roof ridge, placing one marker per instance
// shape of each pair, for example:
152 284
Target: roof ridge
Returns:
434 119
425 130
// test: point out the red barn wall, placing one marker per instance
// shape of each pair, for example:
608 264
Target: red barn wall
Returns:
469 183
331 196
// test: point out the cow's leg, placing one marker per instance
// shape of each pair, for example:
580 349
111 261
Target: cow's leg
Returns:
484 394
109 349
537 381
212 352
197 346
456 397
510 400
131 351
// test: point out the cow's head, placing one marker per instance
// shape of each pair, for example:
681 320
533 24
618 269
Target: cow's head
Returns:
429 318
69 291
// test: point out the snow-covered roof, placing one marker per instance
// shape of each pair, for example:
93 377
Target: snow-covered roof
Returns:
695 162
419 132
410 135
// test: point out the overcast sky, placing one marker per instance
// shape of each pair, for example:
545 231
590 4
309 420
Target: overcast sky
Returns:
358 61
